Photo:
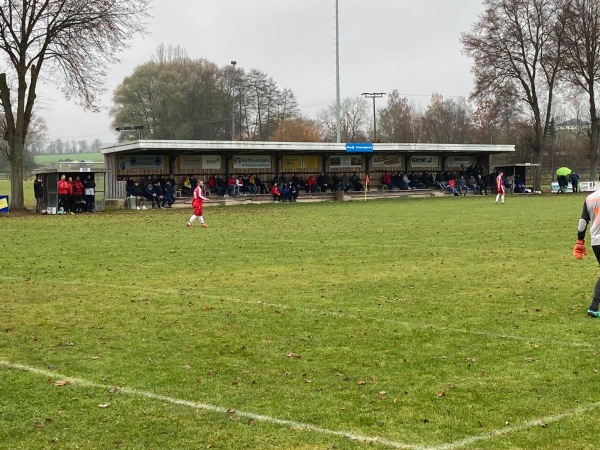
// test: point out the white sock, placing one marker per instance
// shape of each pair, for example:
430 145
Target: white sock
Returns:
497 197
192 219
502 199
201 219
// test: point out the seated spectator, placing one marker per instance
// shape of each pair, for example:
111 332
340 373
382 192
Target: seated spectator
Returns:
481 185
311 184
284 191
186 190
232 187
239 184
130 187
292 192
472 185
452 187
323 182
150 195
275 192
252 187
138 193
461 185
212 183
355 182
168 195
386 180
159 194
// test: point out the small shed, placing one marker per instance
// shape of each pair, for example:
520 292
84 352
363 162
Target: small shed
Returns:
523 171
51 175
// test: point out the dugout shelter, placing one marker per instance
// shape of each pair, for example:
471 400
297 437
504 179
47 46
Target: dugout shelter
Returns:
51 175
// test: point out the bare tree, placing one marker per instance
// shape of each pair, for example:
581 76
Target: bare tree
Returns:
396 120
74 41
354 119
447 121
516 46
582 61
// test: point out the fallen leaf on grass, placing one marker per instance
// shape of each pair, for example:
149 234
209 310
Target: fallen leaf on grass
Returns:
61 382
103 405
293 355
362 383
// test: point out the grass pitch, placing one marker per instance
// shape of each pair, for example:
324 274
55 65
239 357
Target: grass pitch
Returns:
435 323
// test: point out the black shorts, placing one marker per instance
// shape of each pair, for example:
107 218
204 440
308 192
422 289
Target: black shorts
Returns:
596 249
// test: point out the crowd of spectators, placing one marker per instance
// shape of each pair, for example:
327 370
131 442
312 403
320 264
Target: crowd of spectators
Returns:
157 192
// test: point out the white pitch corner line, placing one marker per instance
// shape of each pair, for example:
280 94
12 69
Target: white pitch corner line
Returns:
217 409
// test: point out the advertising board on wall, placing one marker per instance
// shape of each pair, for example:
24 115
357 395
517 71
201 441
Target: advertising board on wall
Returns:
252 162
289 163
345 162
455 161
199 162
141 162
424 162
388 162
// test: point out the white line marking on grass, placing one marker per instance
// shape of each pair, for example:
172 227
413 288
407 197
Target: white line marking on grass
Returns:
543 421
218 409
413 325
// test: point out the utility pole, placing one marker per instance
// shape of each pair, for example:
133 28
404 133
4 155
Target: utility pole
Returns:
233 63
374 95
337 72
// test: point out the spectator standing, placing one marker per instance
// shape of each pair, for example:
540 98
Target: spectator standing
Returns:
575 182
78 189
63 194
500 189
168 195
198 200
71 197
89 186
38 191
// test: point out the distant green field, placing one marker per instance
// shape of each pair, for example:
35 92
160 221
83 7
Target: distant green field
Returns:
53 159
445 323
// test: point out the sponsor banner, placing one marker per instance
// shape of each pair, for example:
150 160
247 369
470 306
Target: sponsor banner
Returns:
211 162
362 147
252 162
421 162
199 162
454 162
311 162
584 186
345 161
388 162
190 162
4 204
290 163
141 162
569 188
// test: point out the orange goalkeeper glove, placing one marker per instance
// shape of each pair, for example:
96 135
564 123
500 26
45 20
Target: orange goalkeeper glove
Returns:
579 249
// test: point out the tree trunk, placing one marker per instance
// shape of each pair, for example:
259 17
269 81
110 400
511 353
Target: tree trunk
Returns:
594 149
17 200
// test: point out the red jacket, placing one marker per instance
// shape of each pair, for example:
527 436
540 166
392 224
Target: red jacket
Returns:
78 187
63 187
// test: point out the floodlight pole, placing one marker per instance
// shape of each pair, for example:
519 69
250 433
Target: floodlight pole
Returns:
374 95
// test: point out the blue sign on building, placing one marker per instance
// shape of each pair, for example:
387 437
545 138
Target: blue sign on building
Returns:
360 147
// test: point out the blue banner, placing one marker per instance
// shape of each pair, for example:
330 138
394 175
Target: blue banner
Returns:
361 147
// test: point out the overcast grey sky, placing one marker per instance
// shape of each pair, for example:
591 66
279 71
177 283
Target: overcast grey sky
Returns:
411 46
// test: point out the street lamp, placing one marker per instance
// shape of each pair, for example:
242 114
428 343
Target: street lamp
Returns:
374 95
233 63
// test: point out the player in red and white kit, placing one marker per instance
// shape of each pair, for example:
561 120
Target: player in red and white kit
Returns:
500 187
198 200
590 216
